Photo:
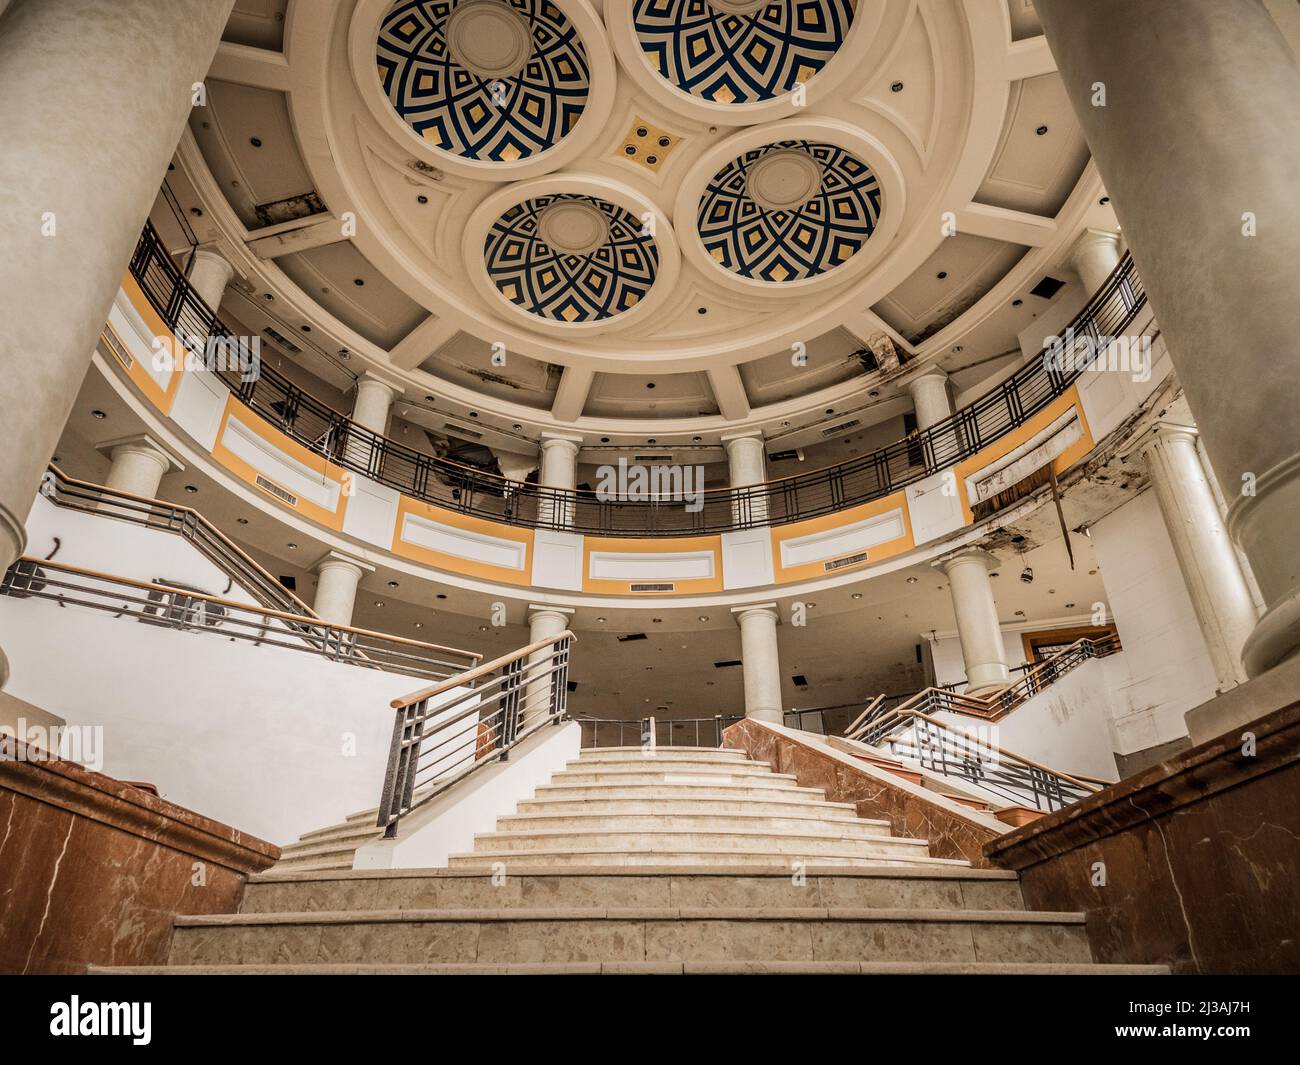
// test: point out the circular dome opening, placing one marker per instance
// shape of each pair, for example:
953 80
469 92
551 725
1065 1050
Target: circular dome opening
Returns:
783 180
488 38
576 227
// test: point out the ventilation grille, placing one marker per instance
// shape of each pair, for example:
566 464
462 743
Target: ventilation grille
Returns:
461 430
652 458
728 664
275 336
271 488
847 560
843 427
646 587
119 350
632 636
783 456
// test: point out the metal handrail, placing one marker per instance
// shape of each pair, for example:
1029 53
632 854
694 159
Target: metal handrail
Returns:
954 752
644 730
878 722
492 708
88 497
454 486
191 611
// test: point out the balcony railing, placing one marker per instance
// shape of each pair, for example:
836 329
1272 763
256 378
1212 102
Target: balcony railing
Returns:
650 733
187 610
319 427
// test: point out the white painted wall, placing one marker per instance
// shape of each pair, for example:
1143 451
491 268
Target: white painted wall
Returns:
272 741
1165 670
109 545
447 825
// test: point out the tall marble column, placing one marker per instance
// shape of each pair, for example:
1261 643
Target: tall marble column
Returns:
760 661
210 273
1220 596
373 403
544 623
559 469
930 398
338 577
1199 144
747 468
1094 257
977 619
93 100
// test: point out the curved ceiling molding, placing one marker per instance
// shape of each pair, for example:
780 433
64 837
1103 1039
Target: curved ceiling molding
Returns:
789 211
740 51
571 259
488 80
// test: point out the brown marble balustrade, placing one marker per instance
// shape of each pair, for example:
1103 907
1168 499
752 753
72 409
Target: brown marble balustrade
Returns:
1200 856
875 793
93 870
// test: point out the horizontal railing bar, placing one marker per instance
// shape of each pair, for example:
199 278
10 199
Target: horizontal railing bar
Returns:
479 671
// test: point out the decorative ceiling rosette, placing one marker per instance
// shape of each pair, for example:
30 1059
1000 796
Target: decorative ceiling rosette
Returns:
789 211
738 52
571 259
484 80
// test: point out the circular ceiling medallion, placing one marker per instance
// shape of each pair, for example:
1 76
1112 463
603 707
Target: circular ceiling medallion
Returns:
737 52
484 80
488 38
571 259
788 211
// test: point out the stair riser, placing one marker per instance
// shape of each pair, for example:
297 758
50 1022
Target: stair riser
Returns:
614 940
517 862
676 754
712 807
694 822
655 791
538 892
664 778
719 841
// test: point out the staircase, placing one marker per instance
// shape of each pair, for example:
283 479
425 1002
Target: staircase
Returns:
677 861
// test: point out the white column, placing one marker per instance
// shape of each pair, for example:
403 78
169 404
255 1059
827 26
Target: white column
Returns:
559 469
760 661
747 468
210 273
930 398
373 404
544 623
93 100
1220 596
138 466
1094 257
1171 68
977 619
336 587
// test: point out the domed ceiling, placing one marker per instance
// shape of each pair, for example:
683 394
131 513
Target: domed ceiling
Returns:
646 205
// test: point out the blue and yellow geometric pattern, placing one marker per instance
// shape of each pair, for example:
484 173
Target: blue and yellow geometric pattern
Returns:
740 59
498 120
781 246
564 287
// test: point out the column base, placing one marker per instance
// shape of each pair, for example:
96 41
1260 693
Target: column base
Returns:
1265 526
771 716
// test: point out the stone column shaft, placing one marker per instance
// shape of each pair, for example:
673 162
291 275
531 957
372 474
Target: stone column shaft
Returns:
210 273
1199 144
930 399
747 467
978 629
760 661
1094 258
559 469
544 623
338 578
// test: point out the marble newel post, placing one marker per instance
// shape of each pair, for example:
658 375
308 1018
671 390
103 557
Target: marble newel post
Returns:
93 100
1198 143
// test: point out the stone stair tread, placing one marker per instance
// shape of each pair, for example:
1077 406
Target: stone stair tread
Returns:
600 913
550 833
652 968
517 857
808 805
892 872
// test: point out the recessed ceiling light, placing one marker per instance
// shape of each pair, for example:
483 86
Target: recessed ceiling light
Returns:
344 354
292 547
857 595
704 617
657 621
242 521
98 414
896 87
942 275
192 488
359 282
482 628
379 602
1104 201
912 580
810 606
1041 131
957 349
306 329
601 620
1020 613
392 584
419 624
256 142
1017 303
1069 606
422 199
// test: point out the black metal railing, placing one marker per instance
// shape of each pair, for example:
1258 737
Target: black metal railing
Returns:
88 498
660 732
189 610
880 720
443 733
448 484
952 752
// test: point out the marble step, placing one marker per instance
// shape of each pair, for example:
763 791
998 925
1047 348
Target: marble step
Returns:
693 822
650 968
684 754
639 774
888 887
710 934
346 831
799 807
757 788
517 861
669 766
801 841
